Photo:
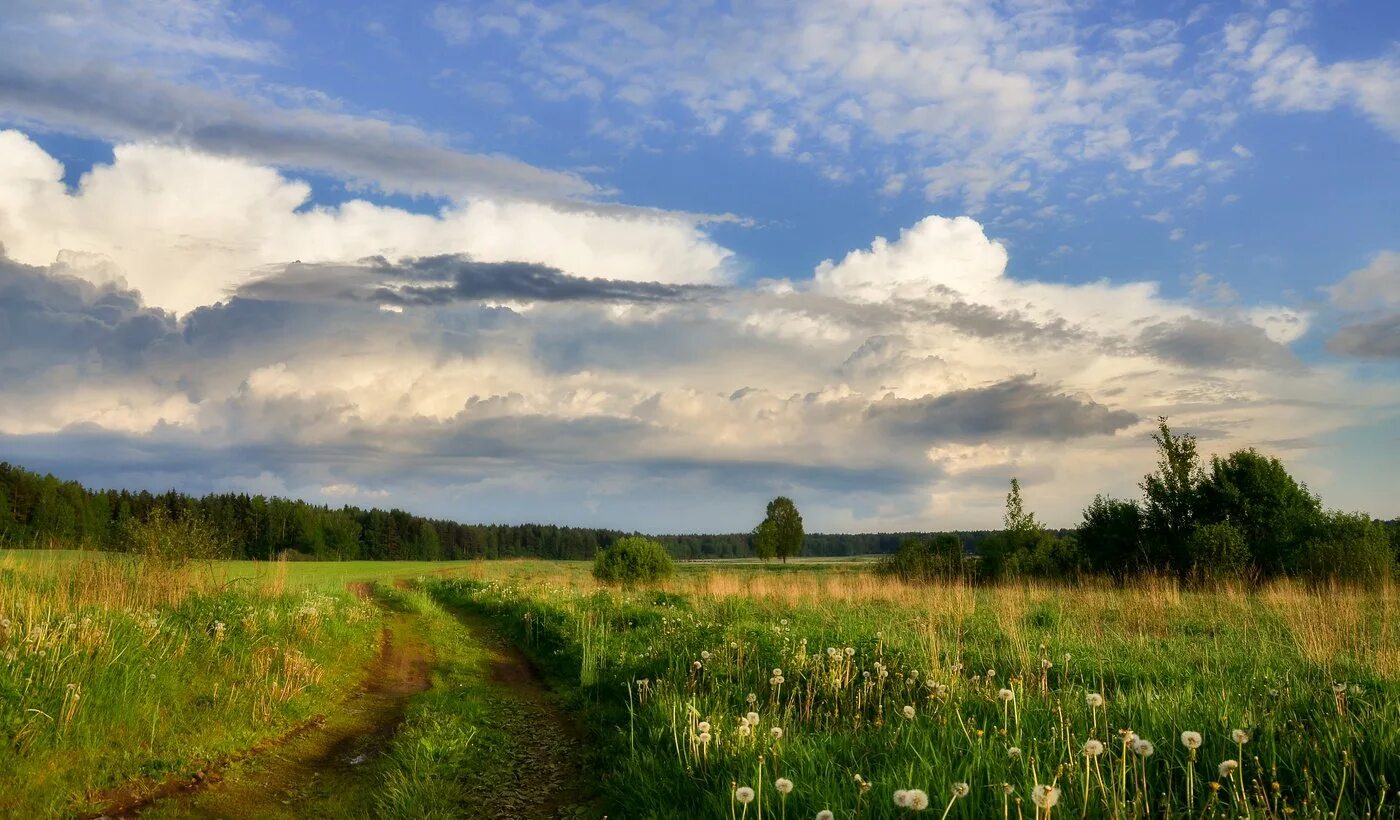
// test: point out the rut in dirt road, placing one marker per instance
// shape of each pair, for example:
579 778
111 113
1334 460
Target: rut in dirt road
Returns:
318 772
538 771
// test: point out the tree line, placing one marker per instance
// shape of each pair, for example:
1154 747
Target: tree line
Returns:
38 510
1240 517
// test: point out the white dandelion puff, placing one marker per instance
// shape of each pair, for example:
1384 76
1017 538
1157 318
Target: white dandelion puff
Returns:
1045 796
1094 699
1006 694
961 790
744 795
704 726
1240 736
1143 748
825 814
776 732
1228 767
901 798
1191 740
1093 748
1014 753
752 718
918 799
909 712
783 785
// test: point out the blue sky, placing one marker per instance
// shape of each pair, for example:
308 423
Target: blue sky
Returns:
1093 214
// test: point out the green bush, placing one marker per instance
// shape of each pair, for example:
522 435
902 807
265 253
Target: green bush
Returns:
631 560
1348 547
1218 552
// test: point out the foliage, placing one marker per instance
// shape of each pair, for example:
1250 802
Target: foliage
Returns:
1025 548
1348 547
1218 552
631 560
1170 499
780 534
1274 514
1110 537
919 561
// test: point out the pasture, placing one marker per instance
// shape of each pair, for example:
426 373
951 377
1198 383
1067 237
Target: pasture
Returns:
731 689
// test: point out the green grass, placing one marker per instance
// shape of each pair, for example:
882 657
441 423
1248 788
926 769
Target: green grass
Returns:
1165 663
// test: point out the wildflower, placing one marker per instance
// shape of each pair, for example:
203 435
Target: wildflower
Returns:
1007 789
1191 740
704 738
1045 796
783 785
1094 699
1093 748
1228 767
961 790
704 726
825 814
752 698
901 798
695 666
704 656
850 651
1339 688
1014 753
1045 663
744 730
1143 748
777 671
1006 694
831 651
918 799
752 718
991 673
909 712
1240 736
776 732
744 795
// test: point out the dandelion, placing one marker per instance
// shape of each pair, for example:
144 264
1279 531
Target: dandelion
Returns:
918 799
704 726
850 651
1228 767
744 730
1191 740
776 732
695 666
831 652
752 698
961 790
991 673
1008 789
777 672
704 656
752 718
1045 796
704 738
1093 748
1014 753
901 798
1006 695
1094 699
1240 737
908 712
744 795
783 785
1143 748
825 814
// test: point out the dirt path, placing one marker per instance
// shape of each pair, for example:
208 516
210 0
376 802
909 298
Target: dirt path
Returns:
536 771
316 773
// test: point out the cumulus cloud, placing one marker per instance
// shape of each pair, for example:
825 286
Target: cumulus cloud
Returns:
1375 286
154 214
600 375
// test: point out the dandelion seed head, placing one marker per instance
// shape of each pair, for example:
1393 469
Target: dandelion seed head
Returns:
777 671
704 737
961 790
901 798
1094 699
1006 694
850 651
752 718
744 795
704 726
1227 767
1240 736
908 712
744 730
1093 748
825 814
1143 748
776 732
918 799
752 698
1045 796
783 785
1014 753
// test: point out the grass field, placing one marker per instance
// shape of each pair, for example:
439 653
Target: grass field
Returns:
1041 700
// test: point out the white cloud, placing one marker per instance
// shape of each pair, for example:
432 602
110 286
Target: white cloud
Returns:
184 228
1374 287
1184 159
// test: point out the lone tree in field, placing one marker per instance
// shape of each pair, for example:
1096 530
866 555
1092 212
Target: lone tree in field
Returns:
780 534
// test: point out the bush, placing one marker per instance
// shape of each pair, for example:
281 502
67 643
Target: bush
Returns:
1348 547
630 560
1218 552
919 561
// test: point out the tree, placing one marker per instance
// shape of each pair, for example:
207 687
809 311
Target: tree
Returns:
1218 552
780 534
1017 520
1274 514
1169 499
1348 547
1110 536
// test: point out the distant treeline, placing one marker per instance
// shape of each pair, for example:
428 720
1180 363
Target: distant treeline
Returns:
42 510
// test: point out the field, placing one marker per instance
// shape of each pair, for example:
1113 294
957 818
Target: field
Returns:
736 690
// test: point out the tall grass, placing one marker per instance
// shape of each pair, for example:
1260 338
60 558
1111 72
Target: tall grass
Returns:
879 688
117 668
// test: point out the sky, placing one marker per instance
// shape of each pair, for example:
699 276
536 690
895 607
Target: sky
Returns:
647 265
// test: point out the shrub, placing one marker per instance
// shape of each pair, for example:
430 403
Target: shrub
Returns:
1218 552
633 559
918 560
1348 547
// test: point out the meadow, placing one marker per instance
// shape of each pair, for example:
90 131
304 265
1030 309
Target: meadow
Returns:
731 690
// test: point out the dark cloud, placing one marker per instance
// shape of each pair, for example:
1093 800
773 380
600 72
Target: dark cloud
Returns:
1204 343
49 318
441 280
1379 339
1017 408
124 104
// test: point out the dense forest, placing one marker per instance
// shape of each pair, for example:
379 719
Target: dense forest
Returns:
42 510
